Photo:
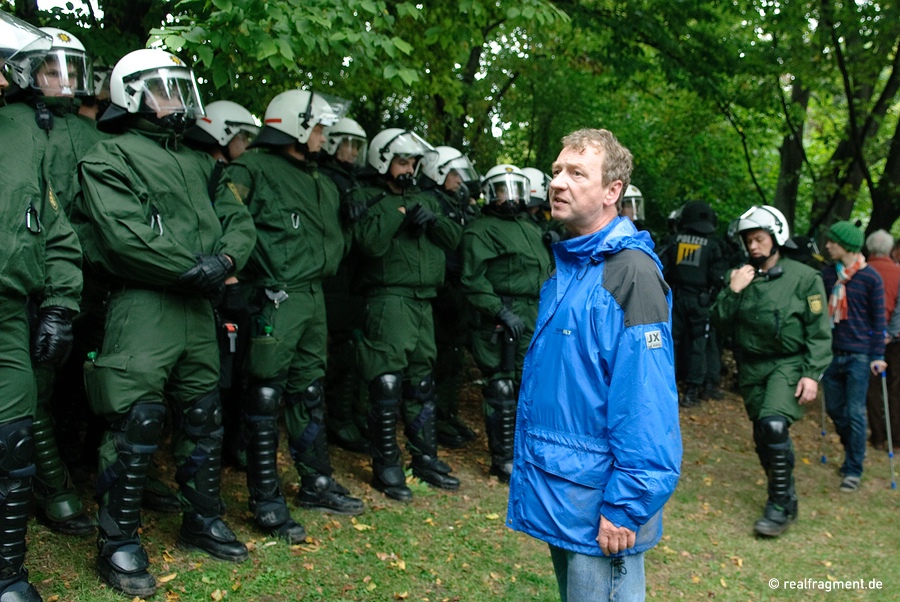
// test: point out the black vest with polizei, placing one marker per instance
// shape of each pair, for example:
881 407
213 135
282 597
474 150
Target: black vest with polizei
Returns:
690 262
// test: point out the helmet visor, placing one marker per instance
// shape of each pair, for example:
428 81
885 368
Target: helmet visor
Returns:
64 72
507 188
18 37
633 208
350 149
168 91
462 166
331 111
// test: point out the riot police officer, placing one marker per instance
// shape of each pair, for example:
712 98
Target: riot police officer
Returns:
505 262
444 174
167 251
401 241
41 258
774 308
300 241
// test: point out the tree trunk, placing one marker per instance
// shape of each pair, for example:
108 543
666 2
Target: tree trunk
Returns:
792 157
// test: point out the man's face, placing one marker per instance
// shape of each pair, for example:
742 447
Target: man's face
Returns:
348 151
238 144
577 196
502 194
759 243
402 165
162 102
54 80
453 181
835 251
316 138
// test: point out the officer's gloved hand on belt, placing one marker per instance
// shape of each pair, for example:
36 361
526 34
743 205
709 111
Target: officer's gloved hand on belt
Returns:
418 219
514 325
53 336
208 276
353 211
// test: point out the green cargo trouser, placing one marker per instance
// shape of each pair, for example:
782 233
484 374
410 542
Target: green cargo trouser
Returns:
768 386
17 386
288 350
399 338
158 346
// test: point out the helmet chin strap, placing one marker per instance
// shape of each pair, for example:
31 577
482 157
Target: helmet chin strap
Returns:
757 262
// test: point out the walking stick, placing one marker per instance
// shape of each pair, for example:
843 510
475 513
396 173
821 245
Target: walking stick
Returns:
887 423
824 459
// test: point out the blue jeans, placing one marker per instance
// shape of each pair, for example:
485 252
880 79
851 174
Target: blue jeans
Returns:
845 384
583 578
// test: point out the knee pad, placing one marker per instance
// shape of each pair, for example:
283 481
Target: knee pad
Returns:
16 448
204 418
385 389
314 400
423 389
500 388
774 429
139 430
263 401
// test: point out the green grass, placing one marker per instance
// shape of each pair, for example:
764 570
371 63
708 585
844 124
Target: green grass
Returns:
455 547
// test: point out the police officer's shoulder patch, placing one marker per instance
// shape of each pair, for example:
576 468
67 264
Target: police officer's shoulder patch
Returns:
52 198
237 195
815 303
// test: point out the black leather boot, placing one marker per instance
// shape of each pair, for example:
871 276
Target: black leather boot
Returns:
781 507
320 492
210 534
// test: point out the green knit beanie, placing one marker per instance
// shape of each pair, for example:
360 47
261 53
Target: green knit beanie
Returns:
847 235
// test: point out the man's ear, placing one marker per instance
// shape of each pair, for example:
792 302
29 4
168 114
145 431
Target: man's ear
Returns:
613 193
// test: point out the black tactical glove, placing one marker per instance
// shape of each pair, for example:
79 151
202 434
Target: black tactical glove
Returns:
353 211
418 220
511 322
550 237
53 336
208 276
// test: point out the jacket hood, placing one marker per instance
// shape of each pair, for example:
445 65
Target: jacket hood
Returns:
616 236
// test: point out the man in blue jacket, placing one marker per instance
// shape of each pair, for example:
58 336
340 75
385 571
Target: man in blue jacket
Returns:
598 446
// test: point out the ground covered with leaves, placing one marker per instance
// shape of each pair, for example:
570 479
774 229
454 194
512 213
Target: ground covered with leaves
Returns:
446 547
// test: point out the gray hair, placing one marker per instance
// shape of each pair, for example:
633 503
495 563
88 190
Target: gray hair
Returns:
880 243
617 160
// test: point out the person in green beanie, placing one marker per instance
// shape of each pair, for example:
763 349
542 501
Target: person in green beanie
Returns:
856 310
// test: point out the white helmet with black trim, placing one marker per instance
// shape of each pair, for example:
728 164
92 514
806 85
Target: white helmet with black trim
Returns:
632 203
223 120
348 135
446 159
21 45
155 84
506 188
764 217
292 115
396 142
540 186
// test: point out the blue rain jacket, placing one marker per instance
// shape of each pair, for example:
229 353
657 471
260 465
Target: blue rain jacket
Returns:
597 423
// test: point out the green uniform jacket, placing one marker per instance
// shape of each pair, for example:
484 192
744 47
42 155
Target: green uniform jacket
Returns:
45 259
70 139
784 316
391 260
297 215
149 212
503 257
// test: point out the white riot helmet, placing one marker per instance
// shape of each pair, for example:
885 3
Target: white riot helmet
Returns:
506 188
632 204
396 142
21 44
347 134
224 120
66 70
764 217
155 84
292 115
446 159
540 186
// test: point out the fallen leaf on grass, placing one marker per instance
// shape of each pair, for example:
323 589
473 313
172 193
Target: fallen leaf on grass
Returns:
828 535
429 521
367 578
53 598
495 576
168 557
235 586
217 595
308 566
695 578
805 460
826 563
360 526
371 587
172 596
738 561
401 596
722 581
166 578
492 516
